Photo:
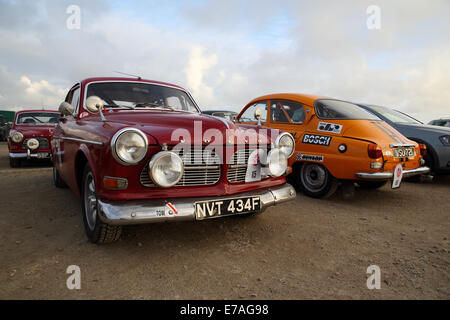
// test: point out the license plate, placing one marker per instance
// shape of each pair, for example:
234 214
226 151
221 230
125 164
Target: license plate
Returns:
43 155
403 152
217 208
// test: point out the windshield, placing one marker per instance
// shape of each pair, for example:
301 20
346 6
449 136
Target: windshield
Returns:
37 118
335 109
141 95
395 116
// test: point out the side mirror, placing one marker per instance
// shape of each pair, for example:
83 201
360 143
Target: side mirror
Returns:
94 104
66 109
258 115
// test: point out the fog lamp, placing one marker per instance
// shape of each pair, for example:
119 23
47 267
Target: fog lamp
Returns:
33 144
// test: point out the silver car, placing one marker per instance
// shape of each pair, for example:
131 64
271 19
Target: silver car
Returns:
444 122
437 139
229 115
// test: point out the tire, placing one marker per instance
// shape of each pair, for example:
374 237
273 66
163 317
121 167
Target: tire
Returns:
96 230
371 184
14 163
59 183
315 181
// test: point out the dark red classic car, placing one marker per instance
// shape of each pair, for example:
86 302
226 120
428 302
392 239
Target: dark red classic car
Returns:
139 151
30 134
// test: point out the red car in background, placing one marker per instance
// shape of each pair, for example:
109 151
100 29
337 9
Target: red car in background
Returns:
30 135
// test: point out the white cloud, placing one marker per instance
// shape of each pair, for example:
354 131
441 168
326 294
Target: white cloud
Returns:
198 65
40 94
227 53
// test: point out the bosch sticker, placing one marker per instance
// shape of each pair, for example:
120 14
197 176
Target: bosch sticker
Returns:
329 127
316 139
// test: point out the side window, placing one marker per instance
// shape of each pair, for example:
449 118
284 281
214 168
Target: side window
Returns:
75 101
249 114
287 112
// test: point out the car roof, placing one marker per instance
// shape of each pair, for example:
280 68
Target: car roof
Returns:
88 80
300 97
37 110
212 111
370 105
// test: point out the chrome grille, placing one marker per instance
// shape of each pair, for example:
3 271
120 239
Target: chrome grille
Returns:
237 168
200 168
43 143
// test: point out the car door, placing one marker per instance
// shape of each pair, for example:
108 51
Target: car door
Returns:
62 146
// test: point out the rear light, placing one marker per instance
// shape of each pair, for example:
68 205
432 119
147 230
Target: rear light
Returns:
423 149
376 165
374 151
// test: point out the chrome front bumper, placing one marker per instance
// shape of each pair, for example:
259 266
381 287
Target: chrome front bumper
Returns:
29 155
151 211
389 175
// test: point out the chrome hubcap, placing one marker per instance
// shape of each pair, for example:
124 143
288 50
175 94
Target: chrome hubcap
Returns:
90 201
314 177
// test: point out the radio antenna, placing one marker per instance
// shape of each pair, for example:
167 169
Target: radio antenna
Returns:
127 74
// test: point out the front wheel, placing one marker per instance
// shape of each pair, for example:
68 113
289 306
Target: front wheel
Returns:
315 180
96 230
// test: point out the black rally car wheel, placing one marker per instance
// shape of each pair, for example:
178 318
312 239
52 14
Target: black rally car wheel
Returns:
315 180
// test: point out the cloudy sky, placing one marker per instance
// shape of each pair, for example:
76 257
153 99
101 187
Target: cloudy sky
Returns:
229 52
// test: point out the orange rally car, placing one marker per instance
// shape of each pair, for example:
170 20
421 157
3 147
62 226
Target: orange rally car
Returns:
336 141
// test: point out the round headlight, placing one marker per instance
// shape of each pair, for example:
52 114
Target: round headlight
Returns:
129 146
32 144
276 162
166 169
17 137
286 143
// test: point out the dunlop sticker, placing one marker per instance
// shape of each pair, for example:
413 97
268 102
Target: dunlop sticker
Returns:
308 157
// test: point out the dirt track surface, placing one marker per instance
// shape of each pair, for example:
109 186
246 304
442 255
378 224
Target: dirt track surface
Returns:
305 249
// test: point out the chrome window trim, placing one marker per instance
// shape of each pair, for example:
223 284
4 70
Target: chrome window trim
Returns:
77 107
141 82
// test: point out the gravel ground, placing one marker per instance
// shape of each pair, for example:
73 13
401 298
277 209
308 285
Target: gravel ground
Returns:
305 249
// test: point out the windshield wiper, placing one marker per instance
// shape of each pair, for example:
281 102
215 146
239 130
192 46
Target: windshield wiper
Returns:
116 106
151 104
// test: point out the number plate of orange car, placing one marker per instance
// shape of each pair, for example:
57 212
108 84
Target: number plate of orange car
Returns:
403 152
